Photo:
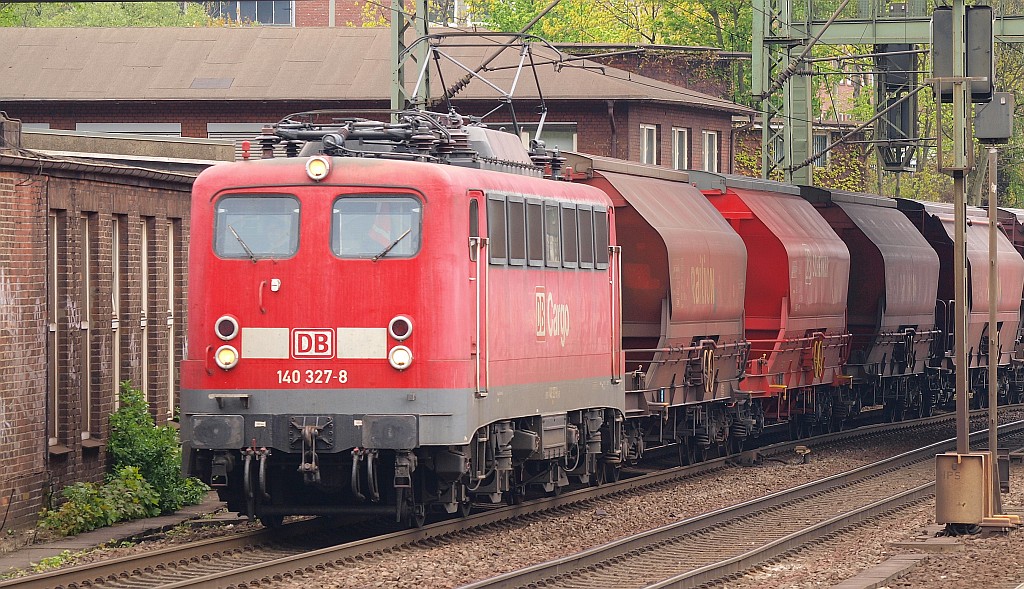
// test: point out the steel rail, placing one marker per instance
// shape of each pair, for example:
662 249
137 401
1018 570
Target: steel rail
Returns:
608 555
179 557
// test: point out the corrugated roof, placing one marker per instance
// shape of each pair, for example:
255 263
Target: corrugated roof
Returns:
275 63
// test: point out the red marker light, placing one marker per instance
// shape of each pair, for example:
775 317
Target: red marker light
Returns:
245 150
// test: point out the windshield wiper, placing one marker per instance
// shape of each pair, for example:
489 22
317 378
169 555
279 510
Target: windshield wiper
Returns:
391 245
252 256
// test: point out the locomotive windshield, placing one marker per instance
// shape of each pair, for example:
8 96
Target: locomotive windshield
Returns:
256 227
376 226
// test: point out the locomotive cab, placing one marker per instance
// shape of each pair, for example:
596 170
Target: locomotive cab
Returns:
342 317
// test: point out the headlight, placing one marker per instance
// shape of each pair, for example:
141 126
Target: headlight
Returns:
317 168
227 327
400 327
400 357
226 357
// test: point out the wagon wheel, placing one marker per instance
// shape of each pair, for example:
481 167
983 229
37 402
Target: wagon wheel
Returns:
683 452
612 472
600 474
272 521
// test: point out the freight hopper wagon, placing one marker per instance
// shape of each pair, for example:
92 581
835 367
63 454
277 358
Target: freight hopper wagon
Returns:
683 277
936 222
894 275
407 329
1011 223
797 276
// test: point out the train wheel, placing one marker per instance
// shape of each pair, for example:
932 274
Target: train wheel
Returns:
600 474
736 445
612 472
683 451
926 404
272 521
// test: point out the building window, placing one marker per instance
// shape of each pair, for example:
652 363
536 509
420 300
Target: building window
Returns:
680 149
172 280
649 144
145 282
264 12
118 243
710 151
155 129
818 145
53 274
560 135
87 282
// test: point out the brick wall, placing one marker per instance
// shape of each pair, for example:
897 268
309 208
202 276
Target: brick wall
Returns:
702 71
22 347
600 131
60 355
347 13
695 122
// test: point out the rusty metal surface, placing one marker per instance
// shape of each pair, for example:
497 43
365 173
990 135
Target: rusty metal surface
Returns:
911 266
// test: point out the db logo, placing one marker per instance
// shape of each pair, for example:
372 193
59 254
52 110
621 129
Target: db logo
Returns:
312 343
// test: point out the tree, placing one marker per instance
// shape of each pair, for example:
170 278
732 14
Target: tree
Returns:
104 14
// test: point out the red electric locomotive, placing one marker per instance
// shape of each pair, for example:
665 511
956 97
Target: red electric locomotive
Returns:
378 332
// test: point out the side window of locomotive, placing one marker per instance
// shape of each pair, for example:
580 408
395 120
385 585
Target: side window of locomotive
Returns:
570 239
586 225
376 226
496 229
516 231
474 228
254 227
552 247
535 233
601 239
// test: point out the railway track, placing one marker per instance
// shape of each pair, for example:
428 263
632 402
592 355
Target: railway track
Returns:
713 546
264 557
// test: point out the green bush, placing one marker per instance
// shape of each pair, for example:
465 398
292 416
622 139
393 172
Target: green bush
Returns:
87 506
136 441
147 481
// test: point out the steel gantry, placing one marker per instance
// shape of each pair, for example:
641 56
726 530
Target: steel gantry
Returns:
781 75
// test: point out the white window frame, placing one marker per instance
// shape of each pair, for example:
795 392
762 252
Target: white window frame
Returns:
680 148
115 307
144 282
172 278
155 129
86 325
712 156
648 144
53 382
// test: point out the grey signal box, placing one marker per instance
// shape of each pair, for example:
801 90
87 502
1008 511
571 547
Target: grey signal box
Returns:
979 50
993 121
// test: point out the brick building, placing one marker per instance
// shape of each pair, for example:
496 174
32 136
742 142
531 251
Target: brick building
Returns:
92 253
92 292
229 82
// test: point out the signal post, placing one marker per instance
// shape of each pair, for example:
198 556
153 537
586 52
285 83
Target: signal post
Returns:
967 483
